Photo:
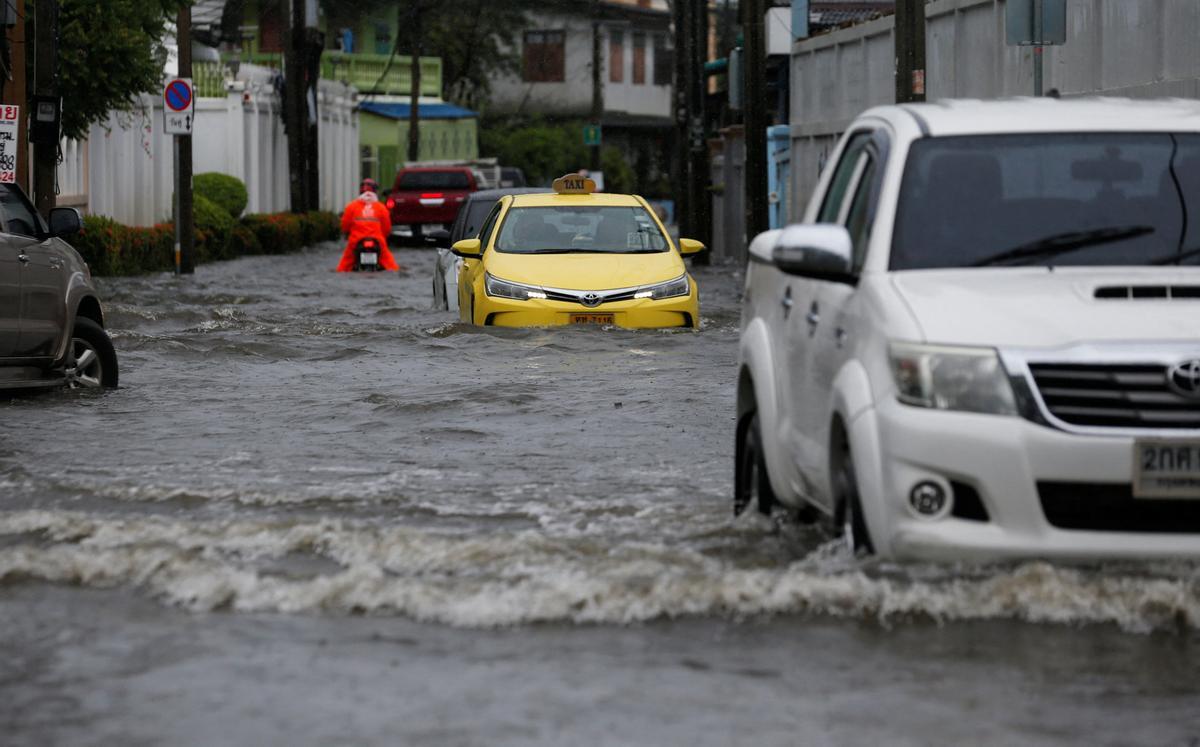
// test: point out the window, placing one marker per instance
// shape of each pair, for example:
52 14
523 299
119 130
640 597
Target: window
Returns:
485 233
616 56
383 37
639 59
19 217
545 57
847 168
565 230
434 180
1119 199
858 220
664 61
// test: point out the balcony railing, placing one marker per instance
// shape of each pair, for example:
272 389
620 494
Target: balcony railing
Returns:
370 73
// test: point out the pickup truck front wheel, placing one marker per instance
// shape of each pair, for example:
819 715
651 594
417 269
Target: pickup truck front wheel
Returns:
92 361
751 482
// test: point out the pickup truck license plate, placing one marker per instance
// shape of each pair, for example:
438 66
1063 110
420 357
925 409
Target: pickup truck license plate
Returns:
591 319
1166 468
368 258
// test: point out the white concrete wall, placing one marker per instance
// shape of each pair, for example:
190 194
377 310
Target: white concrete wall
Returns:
128 164
1136 48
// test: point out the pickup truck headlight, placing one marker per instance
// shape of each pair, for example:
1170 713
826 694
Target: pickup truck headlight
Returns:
951 378
671 289
498 288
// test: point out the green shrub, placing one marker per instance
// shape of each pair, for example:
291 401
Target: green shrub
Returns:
243 241
226 191
213 227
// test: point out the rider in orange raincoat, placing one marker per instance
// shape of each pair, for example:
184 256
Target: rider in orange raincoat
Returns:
365 217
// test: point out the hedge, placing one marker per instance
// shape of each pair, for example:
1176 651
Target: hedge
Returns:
111 248
227 192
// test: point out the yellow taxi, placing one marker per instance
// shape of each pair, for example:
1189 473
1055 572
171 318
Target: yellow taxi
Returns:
576 256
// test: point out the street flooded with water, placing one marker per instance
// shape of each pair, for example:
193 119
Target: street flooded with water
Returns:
318 511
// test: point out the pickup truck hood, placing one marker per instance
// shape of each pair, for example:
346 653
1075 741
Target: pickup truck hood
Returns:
585 271
1036 307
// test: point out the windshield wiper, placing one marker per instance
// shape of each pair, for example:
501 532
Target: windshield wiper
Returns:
1176 258
1061 243
564 251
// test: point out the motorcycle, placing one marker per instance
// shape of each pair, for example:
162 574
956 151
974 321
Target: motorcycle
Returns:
366 255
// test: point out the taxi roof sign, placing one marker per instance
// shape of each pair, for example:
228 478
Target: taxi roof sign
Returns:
574 184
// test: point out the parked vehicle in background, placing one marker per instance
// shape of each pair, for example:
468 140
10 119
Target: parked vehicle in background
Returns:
984 340
466 226
511 176
425 199
51 322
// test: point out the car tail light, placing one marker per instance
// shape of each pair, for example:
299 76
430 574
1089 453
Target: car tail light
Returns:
432 196
391 203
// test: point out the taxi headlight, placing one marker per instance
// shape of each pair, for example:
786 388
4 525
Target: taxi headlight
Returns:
498 288
951 378
671 289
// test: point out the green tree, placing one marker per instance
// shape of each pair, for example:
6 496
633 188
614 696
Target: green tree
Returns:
544 151
109 51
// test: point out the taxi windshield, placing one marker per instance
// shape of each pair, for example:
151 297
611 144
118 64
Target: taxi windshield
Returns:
580 229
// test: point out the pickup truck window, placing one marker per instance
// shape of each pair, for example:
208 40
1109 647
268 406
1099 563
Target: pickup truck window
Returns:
17 216
434 180
831 206
1048 198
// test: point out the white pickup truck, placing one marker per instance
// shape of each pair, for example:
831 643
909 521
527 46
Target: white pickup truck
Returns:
983 340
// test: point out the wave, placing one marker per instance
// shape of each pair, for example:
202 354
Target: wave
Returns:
512 578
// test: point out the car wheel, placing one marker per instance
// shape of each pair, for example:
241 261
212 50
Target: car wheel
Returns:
751 482
853 525
92 361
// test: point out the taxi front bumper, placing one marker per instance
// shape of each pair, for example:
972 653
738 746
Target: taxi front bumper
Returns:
643 313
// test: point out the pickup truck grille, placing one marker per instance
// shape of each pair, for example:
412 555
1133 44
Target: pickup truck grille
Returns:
1113 395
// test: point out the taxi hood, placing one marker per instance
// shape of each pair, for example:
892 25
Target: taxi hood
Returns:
585 271
1024 307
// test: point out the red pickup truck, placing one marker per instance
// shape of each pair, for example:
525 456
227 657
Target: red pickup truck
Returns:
426 199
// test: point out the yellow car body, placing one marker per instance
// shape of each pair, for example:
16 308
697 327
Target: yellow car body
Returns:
504 282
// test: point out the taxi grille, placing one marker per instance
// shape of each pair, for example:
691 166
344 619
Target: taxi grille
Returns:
1113 395
1107 507
556 294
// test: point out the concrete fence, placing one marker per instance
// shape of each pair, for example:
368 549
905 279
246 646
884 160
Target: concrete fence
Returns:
125 169
1134 48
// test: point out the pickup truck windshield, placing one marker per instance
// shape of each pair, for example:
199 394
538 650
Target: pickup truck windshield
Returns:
434 180
579 230
1049 199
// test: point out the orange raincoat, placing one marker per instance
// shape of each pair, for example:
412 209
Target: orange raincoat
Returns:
366 217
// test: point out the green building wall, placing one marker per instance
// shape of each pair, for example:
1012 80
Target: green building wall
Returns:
384 143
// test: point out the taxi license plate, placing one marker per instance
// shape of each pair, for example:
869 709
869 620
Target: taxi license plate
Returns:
434 227
591 319
1166 468
368 258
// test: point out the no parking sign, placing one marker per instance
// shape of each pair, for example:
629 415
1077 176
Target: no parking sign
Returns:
179 106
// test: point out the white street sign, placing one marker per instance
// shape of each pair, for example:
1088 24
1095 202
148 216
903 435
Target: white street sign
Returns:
10 120
179 106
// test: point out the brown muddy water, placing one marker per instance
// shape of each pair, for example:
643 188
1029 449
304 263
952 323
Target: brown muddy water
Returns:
319 512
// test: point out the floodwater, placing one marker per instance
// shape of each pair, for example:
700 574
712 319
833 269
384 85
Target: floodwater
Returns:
318 511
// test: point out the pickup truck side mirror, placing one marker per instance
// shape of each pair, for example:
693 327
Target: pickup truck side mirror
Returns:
438 238
65 221
467 248
821 251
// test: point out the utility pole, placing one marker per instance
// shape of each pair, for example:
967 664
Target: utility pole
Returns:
314 47
185 235
910 51
45 75
699 198
414 109
597 84
754 77
1038 56
16 92
294 114
681 19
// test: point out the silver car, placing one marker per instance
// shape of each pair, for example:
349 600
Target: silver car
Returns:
51 322
466 226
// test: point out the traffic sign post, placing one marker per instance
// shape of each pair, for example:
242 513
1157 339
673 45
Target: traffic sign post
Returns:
591 135
179 113
1037 24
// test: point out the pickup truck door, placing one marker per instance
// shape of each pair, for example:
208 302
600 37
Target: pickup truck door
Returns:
10 297
839 321
43 277
806 395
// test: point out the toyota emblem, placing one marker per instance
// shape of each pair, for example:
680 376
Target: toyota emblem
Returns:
593 299
1184 379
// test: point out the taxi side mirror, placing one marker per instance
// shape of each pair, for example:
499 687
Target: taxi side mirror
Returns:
467 248
690 246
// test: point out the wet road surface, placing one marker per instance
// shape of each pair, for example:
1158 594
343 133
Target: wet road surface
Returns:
316 505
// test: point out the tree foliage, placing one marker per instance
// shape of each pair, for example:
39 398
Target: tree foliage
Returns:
109 51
